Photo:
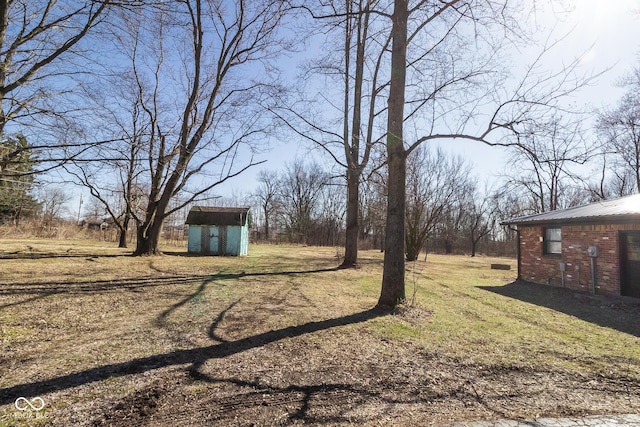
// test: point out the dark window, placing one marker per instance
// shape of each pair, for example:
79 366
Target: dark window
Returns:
553 241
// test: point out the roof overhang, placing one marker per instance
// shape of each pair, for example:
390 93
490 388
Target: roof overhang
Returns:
211 215
615 211
625 219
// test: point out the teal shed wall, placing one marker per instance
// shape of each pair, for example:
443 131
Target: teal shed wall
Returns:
219 240
194 243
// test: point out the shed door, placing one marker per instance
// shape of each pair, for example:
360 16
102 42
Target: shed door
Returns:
630 264
209 240
223 241
204 240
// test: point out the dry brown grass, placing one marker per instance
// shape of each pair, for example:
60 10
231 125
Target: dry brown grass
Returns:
281 338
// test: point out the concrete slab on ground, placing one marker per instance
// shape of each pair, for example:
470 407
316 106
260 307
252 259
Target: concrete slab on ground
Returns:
625 420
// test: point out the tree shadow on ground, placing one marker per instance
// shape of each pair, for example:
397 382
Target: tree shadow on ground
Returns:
90 256
194 357
324 403
161 320
620 313
46 289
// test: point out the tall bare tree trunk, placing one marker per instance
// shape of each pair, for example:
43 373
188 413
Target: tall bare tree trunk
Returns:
353 226
266 224
352 148
148 237
122 231
393 274
149 230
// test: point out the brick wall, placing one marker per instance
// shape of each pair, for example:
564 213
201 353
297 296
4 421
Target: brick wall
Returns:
545 269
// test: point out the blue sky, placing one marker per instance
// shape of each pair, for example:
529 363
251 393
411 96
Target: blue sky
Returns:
605 34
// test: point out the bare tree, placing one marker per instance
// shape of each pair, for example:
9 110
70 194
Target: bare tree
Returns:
393 290
300 191
354 61
435 182
331 221
94 210
115 179
622 183
372 209
41 57
357 139
507 205
443 96
542 165
202 81
53 201
450 230
479 217
267 195
620 129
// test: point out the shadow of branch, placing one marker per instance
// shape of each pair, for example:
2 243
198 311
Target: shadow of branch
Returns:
195 357
46 289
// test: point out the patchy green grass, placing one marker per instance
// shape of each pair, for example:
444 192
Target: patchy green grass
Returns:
282 337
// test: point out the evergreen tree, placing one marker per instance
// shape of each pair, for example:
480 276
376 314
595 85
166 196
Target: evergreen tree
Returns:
16 180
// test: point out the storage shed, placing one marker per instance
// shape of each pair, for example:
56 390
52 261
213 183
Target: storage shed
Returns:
593 248
218 231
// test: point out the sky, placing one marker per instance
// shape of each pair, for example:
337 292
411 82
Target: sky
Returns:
606 34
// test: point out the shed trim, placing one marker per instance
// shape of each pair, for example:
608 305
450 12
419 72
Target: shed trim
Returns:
212 215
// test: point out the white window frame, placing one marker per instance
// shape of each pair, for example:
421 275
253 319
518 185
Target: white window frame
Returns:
552 241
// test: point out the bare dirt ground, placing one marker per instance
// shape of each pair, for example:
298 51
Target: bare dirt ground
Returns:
298 344
385 386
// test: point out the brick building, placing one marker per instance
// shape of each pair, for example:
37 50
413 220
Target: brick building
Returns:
593 248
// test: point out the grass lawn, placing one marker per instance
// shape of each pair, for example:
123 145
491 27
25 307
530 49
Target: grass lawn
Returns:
281 337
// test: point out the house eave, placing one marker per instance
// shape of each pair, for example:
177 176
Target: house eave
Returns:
596 220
